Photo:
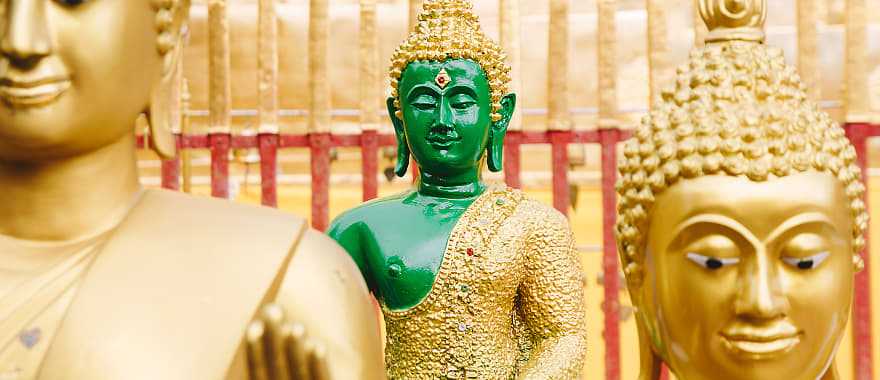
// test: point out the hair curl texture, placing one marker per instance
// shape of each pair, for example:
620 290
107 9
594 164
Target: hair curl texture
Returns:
448 29
736 109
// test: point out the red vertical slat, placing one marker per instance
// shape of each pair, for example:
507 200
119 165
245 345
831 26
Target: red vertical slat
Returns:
512 162
219 145
610 306
369 164
268 168
171 170
863 367
319 144
559 143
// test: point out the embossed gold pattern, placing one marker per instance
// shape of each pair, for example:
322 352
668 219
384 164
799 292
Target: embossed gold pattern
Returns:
508 258
448 29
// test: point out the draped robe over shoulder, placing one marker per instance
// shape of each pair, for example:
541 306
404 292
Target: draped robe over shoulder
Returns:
169 292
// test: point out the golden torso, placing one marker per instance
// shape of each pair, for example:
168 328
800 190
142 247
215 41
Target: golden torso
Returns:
171 300
477 321
37 283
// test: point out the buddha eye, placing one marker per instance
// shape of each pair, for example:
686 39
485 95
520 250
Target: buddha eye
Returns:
424 103
423 106
70 3
462 101
712 263
806 263
463 105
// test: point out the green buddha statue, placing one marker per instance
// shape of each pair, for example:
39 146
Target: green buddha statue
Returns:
741 216
102 279
475 281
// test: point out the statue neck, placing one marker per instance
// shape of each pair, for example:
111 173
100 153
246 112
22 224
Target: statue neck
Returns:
459 186
69 198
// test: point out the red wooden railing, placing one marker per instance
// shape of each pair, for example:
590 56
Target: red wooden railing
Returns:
370 142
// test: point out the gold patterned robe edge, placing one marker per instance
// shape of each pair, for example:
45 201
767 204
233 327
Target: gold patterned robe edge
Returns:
507 301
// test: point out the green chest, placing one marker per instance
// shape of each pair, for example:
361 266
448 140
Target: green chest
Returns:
404 256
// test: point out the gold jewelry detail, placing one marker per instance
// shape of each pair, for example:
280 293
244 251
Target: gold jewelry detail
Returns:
736 109
730 20
442 78
448 29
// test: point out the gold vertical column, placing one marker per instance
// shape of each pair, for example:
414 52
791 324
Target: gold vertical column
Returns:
415 6
509 32
658 47
319 83
267 61
607 54
856 86
807 47
700 29
559 117
370 78
219 86
185 154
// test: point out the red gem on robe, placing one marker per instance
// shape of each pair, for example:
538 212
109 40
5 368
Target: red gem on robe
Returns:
470 251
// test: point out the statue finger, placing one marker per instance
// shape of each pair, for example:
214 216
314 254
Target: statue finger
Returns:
273 342
256 361
318 362
295 351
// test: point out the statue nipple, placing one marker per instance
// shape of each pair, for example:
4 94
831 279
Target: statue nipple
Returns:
731 20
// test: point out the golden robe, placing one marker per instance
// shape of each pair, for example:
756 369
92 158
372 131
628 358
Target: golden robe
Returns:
168 293
507 302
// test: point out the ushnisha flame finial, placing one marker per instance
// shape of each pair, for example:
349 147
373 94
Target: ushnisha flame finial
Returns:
729 20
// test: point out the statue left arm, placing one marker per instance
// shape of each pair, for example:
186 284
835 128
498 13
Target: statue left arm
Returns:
552 301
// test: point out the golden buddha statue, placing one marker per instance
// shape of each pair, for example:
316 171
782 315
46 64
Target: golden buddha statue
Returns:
475 281
740 216
101 279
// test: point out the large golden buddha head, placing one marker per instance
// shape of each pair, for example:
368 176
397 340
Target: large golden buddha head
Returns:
75 74
741 214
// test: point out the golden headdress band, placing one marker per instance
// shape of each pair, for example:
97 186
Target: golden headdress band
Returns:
448 29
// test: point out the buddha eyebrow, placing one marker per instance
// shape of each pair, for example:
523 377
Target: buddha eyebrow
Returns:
421 89
719 220
800 220
461 89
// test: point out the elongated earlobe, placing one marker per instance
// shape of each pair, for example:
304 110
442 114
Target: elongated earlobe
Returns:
402 164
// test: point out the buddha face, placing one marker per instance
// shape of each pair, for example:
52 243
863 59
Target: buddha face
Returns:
446 109
749 280
74 74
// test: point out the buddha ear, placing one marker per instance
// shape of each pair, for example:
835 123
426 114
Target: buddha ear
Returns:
498 131
649 362
402 148
163 113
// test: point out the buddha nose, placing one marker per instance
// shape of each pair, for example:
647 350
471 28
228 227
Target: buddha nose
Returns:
444 123
760 296
26 37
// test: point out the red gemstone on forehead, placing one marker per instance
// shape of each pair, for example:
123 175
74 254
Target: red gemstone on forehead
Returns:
470 251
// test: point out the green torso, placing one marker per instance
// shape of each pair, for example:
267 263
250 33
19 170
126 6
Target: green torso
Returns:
398 243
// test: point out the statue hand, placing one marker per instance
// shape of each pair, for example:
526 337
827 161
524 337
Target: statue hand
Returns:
279 350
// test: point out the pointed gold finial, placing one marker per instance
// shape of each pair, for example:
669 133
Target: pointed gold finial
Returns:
729 20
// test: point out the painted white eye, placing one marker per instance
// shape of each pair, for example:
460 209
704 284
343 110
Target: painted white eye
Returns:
712 263
805 263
